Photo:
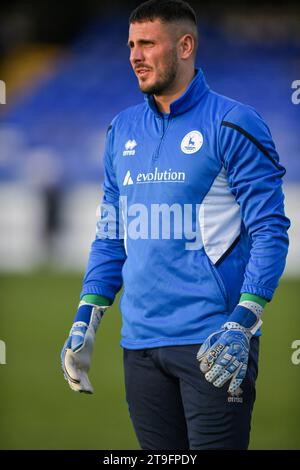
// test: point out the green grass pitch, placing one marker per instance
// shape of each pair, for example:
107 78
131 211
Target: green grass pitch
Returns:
39 411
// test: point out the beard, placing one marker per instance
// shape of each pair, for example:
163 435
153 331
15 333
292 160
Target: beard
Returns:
165 78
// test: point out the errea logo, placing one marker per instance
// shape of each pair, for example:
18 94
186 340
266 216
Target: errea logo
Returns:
236 398
130 148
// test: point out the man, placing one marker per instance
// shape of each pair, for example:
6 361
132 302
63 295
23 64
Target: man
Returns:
191 309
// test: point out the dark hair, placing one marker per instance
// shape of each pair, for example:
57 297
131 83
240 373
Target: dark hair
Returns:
165 10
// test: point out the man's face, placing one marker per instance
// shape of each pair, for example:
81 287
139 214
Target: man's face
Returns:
153 56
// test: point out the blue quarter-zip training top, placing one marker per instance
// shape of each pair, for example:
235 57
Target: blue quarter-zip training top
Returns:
209 168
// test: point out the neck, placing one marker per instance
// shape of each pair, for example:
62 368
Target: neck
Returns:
163 102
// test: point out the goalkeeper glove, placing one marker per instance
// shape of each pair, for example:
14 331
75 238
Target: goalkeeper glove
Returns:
77 351
224 355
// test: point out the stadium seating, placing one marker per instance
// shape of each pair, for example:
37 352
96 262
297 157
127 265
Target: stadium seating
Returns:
54 136
69 112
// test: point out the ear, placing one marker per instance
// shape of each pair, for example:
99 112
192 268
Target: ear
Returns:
186 46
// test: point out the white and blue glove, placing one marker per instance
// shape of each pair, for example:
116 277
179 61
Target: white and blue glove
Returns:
224 355
77 351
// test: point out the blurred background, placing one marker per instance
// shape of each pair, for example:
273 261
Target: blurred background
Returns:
66 72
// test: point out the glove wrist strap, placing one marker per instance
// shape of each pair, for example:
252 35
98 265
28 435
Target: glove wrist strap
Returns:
247 316
95 312
253 306
249 332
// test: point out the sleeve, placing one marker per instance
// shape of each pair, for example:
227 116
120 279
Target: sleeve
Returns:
255 179
103 274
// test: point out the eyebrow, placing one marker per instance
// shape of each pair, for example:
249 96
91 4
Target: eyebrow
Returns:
141 41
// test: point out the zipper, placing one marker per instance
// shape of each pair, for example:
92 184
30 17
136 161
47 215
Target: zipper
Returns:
164 124
219 281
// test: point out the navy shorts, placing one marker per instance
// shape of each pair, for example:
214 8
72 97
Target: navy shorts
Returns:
173 407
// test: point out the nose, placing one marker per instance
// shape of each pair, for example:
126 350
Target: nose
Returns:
136 55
